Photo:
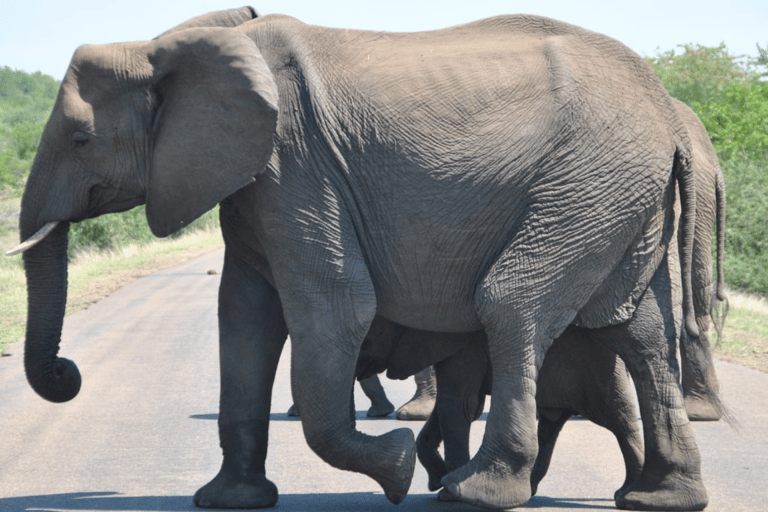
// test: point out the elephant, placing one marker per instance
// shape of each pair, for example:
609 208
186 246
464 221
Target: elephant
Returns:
515 175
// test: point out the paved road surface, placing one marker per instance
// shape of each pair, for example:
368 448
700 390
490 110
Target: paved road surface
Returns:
141 436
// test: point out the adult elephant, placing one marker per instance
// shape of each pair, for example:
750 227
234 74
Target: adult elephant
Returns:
514 174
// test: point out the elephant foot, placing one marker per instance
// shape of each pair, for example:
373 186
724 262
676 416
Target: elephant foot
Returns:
420 406
417 409
488 483
228 491
679 492
293 412
394 463
621 490
435 477
380 409
702 409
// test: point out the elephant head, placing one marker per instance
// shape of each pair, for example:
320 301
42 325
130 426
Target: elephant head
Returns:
162 122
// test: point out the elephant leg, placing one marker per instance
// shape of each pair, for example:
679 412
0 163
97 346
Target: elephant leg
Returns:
420 406
610 404
701 388
459 379
251 338
327 331
526 300
427 444
380 404
671 475
551 422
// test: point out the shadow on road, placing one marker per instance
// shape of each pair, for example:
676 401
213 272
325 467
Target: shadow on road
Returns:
338 502
281 416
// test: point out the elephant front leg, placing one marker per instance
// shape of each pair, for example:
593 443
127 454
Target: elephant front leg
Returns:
323 377
252 333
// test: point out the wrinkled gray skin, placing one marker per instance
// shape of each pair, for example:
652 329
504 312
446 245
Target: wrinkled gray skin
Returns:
579 375
514 174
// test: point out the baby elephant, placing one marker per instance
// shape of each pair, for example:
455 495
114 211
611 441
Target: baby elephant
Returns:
579 376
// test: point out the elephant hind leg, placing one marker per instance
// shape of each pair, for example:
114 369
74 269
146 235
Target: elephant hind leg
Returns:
671 475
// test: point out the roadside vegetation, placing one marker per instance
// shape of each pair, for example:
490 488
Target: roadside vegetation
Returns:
729 93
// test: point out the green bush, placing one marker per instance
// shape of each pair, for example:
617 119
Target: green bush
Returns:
746 229
702 73
738 123
25 105
121 229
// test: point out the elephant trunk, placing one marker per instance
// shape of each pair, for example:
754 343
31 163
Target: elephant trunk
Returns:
53 378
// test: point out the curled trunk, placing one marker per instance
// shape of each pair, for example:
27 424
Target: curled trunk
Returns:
53 378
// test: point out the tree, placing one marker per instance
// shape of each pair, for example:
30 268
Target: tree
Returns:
701 73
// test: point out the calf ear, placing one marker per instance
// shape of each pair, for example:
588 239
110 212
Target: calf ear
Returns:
226 18
215 117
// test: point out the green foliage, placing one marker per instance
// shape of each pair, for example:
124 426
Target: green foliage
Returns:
746 233
701 73
121 229
738 124
25 104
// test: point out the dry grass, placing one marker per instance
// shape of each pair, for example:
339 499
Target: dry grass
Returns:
94 275
745 334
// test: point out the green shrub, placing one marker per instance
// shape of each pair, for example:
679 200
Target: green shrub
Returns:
121 229
702 73
738 123
746 229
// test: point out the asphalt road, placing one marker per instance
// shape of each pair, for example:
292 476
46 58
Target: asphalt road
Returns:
141 436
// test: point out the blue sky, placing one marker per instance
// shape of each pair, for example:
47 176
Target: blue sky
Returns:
41 35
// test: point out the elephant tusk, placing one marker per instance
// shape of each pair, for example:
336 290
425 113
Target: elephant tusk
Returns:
34 239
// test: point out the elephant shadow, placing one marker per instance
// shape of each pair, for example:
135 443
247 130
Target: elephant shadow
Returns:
283 416
340 502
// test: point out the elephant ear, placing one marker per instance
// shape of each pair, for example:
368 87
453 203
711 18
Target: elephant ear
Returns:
214 121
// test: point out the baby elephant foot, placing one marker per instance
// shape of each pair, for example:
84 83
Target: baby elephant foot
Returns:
488 483
228 491
379 409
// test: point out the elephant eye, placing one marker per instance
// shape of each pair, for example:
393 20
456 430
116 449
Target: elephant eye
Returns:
79 139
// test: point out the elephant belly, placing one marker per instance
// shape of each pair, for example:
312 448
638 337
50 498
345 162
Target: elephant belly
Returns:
432 298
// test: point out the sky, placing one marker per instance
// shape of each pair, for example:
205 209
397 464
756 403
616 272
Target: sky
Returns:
41 35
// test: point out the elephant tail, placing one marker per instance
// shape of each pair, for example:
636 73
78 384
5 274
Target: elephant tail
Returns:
684 174
719 295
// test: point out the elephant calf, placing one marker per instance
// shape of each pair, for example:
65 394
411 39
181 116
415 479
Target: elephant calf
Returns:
579 376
